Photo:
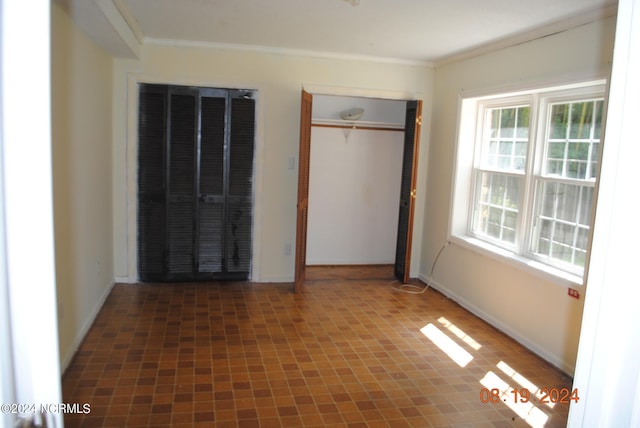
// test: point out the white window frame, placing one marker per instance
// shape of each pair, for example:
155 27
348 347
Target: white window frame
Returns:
472 110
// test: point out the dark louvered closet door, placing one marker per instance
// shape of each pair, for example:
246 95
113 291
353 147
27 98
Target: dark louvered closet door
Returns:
151 179
211 194
195 183
239 200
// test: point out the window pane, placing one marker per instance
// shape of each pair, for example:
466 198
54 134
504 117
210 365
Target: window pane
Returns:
581 120
573 140
559 121
496 206
507 122
561 221
522 129
567 200
595 155
586 205
507 136
597 133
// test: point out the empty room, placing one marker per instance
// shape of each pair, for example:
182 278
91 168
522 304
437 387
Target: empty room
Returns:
341 213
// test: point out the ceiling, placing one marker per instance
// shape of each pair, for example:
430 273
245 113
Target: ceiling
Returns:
413 31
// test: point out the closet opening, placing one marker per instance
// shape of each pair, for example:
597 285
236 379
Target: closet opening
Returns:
356 187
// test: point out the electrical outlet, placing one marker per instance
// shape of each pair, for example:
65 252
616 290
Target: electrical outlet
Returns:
287 249
574 293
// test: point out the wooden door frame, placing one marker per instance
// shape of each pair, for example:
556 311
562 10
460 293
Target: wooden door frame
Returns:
303 187
302 208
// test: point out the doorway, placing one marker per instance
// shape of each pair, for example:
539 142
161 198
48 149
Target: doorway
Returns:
403 192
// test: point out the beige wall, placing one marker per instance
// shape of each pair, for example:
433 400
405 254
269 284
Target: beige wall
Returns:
81 100
534 310
279 80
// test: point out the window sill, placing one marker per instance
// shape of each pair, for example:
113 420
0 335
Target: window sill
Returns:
547 272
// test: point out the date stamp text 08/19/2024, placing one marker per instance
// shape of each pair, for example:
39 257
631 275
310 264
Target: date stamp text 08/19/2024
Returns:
523 395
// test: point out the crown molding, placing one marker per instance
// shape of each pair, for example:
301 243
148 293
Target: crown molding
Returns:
128 17
113 12
282 51
555 27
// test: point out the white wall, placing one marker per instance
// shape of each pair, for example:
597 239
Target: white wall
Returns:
81 149
608 369
279 80
354 192
534 310
29 365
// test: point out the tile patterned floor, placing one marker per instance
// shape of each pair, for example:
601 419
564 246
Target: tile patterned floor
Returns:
345 353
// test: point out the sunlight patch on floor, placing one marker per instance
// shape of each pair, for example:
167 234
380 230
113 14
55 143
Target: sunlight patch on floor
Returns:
447 345
459 333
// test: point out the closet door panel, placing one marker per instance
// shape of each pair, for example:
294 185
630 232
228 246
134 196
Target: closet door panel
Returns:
211 191
241 147
413 121
212 145
151 181
239 207
180 209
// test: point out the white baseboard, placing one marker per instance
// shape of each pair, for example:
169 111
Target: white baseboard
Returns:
85 329
273 279
122 280
542 353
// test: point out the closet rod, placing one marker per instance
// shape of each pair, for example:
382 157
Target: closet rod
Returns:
369 128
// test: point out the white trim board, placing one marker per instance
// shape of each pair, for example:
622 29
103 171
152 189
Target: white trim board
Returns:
66 360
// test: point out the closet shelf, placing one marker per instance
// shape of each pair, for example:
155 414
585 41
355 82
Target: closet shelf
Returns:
361 124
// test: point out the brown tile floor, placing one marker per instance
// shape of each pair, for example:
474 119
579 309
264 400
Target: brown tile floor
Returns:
343 353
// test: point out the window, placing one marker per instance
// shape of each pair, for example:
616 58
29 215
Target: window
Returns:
526 170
